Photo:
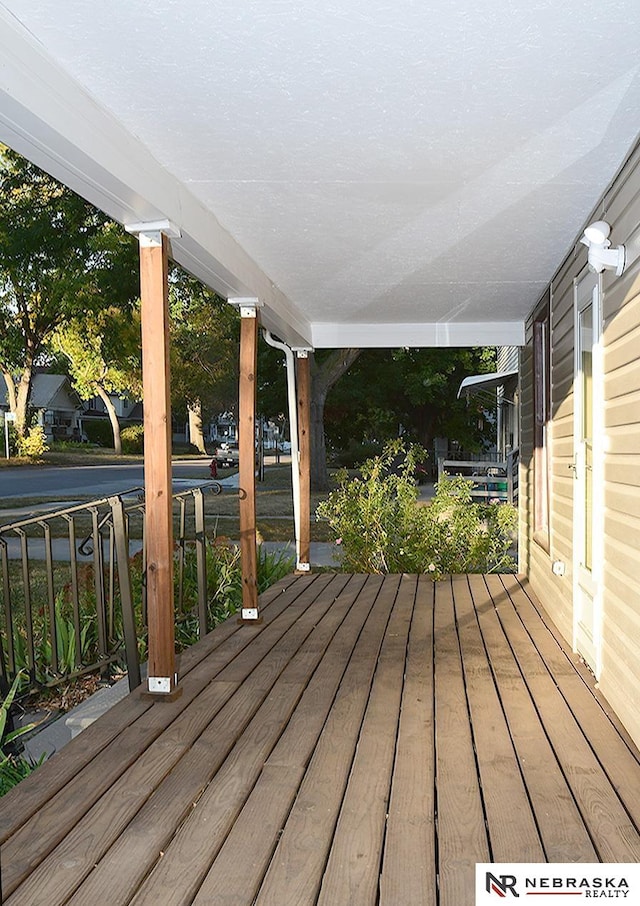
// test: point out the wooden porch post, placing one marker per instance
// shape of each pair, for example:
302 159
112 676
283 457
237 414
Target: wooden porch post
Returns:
247 456
303 388
162 679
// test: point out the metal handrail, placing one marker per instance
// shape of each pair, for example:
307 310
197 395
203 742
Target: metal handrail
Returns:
30 622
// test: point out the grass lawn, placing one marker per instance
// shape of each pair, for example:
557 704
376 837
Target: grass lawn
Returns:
274 500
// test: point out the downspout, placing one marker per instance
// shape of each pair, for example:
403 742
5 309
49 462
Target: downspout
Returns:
293 430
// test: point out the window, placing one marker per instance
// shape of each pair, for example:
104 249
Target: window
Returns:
542 414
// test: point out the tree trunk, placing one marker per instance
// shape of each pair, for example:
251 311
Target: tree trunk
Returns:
426 419
318 451
196 436
11 390
323 377
23 390
22 400
113 418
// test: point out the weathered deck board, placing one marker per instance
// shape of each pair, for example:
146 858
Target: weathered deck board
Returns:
296 871
54 775
615 837
191 854
409 864
367 744
353 867
614 752
461 831
562 831
117 782
499 769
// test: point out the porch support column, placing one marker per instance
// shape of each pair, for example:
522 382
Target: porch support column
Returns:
162 682
303 388
247 456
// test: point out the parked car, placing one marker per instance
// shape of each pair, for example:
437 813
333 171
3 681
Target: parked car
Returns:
227 454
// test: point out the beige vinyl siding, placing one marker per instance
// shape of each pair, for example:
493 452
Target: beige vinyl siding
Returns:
620 680
620 676
507 358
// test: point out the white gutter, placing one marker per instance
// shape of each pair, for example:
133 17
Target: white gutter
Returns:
293 430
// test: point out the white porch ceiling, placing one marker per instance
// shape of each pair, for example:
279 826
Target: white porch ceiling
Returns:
376 173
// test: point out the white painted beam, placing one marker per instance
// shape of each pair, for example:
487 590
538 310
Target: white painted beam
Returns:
390 336
50 119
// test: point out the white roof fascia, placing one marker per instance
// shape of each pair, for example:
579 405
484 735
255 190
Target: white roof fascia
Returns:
391 336
47 116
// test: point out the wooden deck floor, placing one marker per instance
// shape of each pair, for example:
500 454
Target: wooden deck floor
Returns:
367 744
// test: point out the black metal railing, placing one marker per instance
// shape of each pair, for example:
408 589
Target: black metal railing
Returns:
74 590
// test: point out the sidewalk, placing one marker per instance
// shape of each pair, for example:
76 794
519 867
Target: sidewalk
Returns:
321 553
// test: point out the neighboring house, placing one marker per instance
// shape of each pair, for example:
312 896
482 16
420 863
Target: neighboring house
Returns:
580 452
126 409
58 407
499 389
223 428
508 427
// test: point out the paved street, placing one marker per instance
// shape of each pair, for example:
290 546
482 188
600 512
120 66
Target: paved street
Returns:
67 482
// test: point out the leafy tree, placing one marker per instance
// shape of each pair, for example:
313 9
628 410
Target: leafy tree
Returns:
272 384
383 391
59 257
204 352
103 355
410 389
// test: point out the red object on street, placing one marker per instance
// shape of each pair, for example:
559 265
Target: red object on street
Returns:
213 468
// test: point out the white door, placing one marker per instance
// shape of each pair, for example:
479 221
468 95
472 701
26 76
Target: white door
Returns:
588 471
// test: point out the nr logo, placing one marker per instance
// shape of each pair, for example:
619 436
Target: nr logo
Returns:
500 884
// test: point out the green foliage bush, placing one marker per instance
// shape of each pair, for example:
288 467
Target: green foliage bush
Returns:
98 431
355 454
69 655
132 438
381 528
34 443
14 767
224 586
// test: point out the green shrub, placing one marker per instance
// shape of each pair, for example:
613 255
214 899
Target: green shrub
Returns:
224 586
99 431
132 438
34 443
381 528
355 454
69 656
14 767
468 537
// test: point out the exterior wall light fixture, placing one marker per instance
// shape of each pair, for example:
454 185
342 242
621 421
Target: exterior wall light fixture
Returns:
601 255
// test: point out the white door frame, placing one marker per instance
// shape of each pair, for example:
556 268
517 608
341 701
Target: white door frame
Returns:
587 577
